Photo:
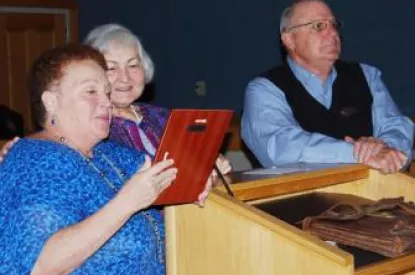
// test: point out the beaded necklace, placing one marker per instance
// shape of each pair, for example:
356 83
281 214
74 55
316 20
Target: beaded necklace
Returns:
120 173
122 177
138 117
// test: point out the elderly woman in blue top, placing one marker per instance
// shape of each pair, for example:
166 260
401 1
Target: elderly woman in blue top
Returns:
69 201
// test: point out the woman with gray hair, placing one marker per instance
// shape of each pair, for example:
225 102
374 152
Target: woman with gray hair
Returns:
137 125
130 68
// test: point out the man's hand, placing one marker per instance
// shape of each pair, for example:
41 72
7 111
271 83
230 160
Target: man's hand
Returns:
388 160
365 147
375 153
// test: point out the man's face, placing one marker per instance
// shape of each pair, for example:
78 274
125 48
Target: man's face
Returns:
312 36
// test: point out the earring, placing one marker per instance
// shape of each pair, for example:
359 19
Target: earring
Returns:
53 120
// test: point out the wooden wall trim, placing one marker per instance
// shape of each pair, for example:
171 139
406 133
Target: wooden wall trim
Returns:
73 18
64 4
71 5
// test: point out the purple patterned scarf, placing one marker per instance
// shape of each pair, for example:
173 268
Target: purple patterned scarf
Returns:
125 131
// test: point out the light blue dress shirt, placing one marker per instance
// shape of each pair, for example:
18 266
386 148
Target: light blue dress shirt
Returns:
271 132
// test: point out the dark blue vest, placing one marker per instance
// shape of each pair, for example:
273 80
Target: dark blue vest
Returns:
350 113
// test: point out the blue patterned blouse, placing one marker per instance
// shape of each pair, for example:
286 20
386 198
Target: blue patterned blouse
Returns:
46 186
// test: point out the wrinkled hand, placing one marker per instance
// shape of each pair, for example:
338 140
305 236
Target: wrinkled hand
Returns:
388 160
223 164
365 147
147 184
208 187
7 147
224 167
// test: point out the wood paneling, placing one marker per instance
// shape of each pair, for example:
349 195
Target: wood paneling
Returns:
62 4
24 34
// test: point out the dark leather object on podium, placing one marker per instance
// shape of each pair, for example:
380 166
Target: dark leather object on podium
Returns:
192 139
386 226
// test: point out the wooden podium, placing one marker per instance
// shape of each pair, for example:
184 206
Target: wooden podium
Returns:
233 236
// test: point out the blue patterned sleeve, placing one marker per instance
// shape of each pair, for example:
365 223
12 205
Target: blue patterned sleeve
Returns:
29 227
35 203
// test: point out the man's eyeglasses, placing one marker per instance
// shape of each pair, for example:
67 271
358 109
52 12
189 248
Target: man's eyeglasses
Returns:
319 25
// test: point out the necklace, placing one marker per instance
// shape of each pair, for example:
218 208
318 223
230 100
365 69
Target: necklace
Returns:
121 174
122 177
138 117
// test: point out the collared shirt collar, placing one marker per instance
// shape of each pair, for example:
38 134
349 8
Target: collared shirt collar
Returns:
322 92
304 76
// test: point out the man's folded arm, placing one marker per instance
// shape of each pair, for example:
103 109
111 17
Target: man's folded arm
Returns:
270 130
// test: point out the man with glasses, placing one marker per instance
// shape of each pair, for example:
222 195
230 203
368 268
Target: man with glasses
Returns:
315 108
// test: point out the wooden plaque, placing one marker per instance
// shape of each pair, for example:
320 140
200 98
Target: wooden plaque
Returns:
193 139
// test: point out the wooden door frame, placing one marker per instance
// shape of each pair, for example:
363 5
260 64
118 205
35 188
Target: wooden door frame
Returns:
70 5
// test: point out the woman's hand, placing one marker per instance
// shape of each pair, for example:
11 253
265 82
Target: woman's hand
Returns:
224 167
147 184
7 147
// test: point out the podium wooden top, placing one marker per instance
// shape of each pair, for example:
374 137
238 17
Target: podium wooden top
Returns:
259 243
249 186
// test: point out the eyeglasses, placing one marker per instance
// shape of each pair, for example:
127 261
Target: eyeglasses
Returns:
319 25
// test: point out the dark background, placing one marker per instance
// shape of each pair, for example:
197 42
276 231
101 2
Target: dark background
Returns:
227 42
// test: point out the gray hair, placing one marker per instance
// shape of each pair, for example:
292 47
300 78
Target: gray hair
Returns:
288 12
101 36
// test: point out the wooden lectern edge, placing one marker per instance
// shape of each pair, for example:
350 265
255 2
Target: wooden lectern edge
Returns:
333 171
171 239
297 182
286 230
392 266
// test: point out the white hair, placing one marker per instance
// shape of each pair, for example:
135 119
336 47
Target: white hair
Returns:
101 36
288 13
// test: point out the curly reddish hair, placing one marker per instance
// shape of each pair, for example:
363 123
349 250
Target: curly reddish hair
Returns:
48 70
